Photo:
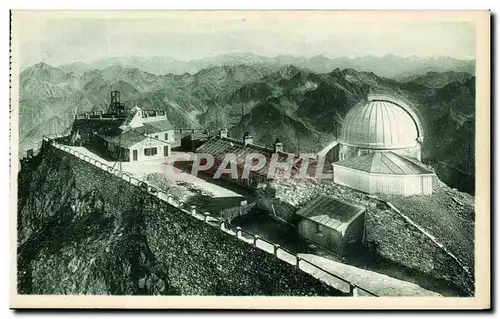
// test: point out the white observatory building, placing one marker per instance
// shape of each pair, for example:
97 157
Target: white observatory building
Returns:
379 149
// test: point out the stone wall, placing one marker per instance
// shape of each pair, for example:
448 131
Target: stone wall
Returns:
197 258
396 239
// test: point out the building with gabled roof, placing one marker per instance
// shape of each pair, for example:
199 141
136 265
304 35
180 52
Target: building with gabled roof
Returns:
332 223
143 135
221 145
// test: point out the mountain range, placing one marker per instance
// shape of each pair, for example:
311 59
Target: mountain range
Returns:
391 66
302 107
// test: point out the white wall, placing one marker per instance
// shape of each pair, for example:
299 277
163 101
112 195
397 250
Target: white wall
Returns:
405 185
153 118
161 136
148 143
136 120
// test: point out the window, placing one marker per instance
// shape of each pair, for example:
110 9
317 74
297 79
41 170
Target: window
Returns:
317 230
352 239
156 136
166 136
151 151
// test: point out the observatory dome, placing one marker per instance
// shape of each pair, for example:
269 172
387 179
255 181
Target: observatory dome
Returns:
381 122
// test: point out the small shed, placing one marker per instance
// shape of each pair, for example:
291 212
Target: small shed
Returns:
332 223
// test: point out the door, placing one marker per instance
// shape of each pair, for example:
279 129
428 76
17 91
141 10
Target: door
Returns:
135 155
165 150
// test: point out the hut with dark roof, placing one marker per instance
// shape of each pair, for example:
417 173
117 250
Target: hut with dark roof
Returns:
332 223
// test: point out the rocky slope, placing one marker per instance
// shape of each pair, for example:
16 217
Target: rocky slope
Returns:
82 230
71 242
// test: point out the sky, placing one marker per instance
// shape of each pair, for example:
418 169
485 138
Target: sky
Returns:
59 39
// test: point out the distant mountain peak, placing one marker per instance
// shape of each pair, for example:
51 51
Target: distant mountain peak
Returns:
42 65
290 71
44 72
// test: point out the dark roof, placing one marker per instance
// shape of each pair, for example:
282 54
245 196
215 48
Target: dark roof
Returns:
330 212
385 163
219 147
195 136
155 127
217 204
125 139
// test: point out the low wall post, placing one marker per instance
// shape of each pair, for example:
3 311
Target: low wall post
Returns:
205 218
353 290
276 247
238 231
221 224
255 238
193 210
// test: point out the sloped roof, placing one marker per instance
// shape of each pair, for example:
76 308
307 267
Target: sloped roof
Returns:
385 163
330 212
219 147
155 127
125 139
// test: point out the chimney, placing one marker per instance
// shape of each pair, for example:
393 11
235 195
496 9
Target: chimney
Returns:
278 146
223 133
247 138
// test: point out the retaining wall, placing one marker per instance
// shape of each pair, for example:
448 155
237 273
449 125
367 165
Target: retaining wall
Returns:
203 254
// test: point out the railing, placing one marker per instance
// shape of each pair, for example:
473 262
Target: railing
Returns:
191 130
99 117
243 235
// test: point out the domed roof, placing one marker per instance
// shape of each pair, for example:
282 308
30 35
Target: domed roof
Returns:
381 122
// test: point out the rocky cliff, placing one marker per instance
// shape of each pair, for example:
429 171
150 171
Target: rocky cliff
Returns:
82 230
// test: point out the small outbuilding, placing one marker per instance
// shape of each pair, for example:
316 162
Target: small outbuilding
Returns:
332 223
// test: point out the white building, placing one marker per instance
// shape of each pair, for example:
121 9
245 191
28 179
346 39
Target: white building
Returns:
143 136
384 173
381 123
380 149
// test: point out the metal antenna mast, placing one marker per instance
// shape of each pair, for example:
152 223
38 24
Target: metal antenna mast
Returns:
216 117
241 120
298 142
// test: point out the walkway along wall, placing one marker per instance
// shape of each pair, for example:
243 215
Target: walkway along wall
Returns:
204 255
